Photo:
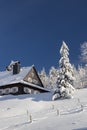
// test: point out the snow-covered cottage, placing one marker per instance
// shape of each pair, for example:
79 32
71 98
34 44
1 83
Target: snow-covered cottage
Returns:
20 80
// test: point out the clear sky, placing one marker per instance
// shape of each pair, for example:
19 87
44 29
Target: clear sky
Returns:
31 31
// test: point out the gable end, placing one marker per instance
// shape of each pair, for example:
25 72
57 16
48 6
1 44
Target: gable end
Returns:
33 77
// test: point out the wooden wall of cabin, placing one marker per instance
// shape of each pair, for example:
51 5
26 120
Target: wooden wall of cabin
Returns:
21 87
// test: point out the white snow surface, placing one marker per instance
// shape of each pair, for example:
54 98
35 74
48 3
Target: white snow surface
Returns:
39 112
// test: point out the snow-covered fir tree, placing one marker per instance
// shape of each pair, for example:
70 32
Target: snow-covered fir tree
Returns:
44 78
53 74
66 77
49 81
80 77
84 52
81 74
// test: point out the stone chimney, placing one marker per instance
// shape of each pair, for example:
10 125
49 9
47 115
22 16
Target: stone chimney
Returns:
16 68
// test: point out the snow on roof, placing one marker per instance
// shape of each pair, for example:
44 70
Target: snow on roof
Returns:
7 77
34 85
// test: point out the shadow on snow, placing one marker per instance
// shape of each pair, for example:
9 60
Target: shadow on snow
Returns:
34 97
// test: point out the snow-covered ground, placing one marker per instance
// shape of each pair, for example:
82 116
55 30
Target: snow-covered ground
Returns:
38 112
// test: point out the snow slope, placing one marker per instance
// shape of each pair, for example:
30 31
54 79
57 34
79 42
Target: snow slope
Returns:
38 112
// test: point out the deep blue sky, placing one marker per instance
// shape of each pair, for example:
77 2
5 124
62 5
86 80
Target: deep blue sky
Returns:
31 31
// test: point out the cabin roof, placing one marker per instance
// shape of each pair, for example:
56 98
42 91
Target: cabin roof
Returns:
34 85
7 77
